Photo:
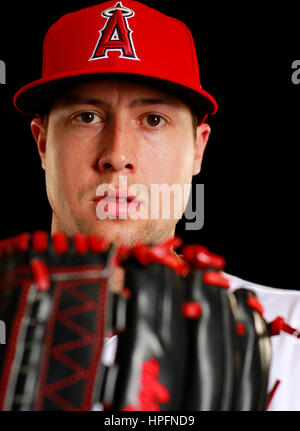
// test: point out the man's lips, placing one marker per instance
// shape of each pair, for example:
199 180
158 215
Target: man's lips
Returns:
115 197
115 204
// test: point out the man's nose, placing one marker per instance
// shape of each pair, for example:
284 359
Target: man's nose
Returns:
118 149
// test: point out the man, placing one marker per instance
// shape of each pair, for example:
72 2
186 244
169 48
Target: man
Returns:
108 106
118 109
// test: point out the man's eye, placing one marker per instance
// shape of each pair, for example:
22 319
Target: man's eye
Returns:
154 120
88 118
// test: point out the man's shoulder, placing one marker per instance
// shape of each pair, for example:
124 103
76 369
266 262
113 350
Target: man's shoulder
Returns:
276 301
237 282
285 365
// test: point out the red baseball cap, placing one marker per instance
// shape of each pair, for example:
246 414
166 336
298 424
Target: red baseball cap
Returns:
122 40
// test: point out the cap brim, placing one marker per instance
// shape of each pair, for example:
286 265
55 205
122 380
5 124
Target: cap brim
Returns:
37 97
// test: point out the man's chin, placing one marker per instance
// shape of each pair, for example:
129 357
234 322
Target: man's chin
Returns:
127 232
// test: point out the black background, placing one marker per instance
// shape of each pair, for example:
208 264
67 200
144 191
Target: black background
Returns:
250 168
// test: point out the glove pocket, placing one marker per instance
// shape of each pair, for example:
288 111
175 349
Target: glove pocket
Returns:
149 370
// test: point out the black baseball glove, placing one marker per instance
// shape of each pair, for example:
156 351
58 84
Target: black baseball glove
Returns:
184 341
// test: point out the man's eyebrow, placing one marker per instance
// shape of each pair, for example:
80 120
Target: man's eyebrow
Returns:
146 101
76 99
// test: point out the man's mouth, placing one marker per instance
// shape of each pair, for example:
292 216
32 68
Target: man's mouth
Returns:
115 204
114 196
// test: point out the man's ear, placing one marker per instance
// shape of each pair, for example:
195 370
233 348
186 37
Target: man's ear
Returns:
38 131
203 132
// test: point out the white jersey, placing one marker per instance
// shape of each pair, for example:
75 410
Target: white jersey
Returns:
285 364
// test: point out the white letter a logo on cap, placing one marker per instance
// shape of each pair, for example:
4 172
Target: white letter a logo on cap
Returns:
116 34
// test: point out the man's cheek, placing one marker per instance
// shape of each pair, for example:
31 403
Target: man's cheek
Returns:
55 182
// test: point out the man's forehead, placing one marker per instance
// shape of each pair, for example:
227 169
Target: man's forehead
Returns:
103 92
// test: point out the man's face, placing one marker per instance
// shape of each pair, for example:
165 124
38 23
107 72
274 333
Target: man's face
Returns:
120 134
